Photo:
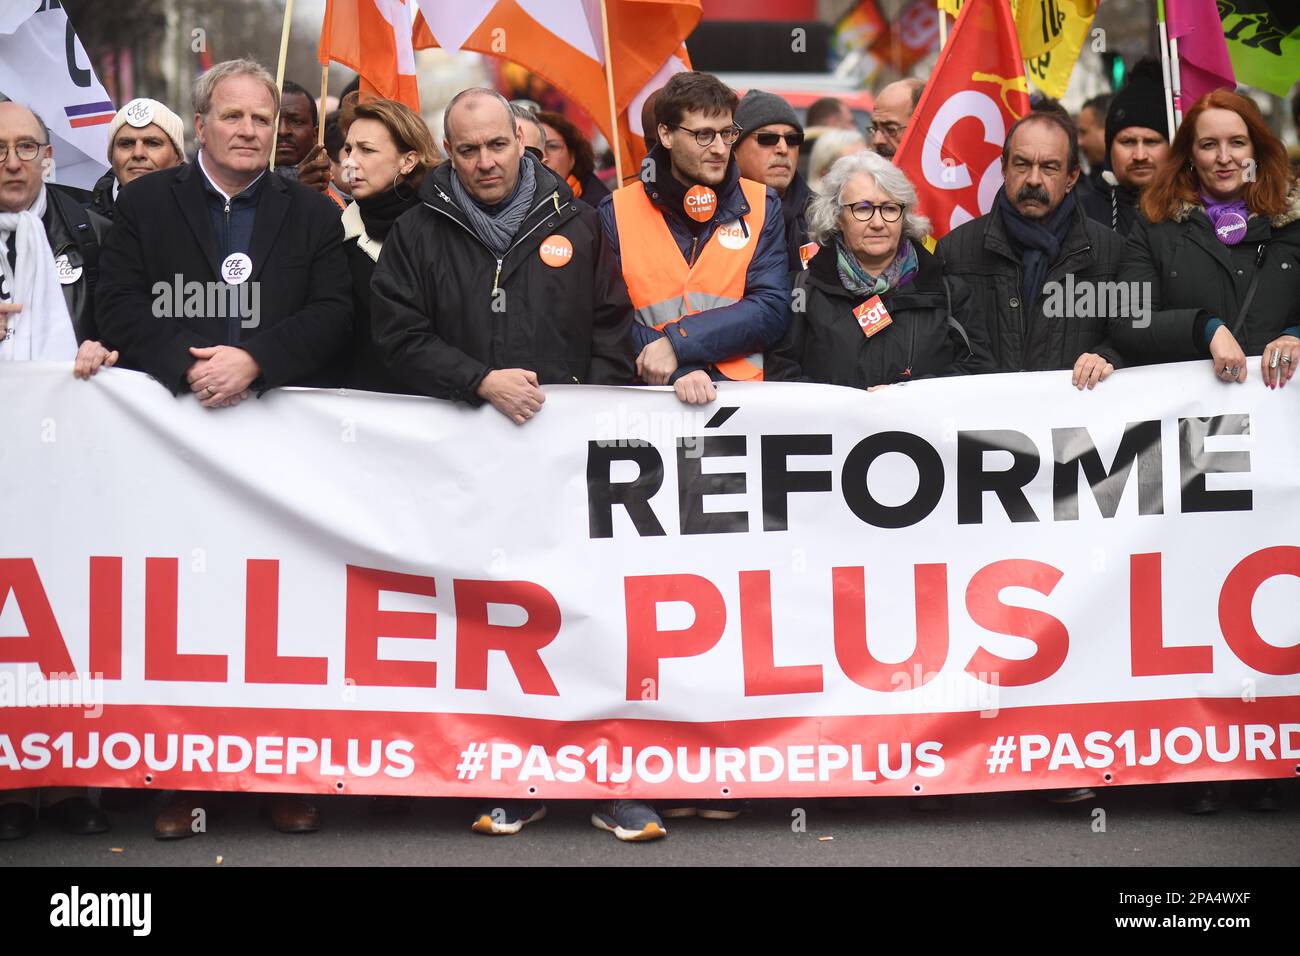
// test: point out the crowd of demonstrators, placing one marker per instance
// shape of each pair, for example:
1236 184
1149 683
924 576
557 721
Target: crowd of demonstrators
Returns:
1136 143
701 249
505 267
871 272
1037 234
143 137
568 154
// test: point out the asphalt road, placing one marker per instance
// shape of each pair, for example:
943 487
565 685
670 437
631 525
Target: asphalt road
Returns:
1141 827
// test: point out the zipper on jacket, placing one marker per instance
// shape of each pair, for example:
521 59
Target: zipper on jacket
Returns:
555 195
911 349
694 242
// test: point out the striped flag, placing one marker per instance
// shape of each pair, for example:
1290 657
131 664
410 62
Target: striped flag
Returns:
43 64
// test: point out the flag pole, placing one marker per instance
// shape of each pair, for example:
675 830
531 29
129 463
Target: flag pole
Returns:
943 27
279 72
1176 76
613 110
324 92
1164 63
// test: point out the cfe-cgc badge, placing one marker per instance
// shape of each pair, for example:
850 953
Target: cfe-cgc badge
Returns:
236 268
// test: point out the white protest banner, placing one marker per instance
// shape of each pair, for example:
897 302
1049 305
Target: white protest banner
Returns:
969 584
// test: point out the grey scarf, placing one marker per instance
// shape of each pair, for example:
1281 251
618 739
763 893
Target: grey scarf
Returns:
498 229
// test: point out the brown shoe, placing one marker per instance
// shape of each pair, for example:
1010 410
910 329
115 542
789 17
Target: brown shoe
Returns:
183 816
294 815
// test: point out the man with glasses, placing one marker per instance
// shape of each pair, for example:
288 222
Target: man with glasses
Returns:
702 250
767 151
892 111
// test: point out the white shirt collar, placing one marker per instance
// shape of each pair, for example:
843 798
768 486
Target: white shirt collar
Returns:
213 184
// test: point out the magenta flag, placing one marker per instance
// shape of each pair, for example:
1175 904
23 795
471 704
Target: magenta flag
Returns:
1202 51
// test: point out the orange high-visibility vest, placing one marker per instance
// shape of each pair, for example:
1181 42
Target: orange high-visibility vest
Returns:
664 288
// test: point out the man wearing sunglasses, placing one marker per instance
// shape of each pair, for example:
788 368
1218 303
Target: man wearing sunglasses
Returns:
702 250
767 151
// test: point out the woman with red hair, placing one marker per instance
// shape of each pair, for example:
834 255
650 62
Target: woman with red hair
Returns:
1219 245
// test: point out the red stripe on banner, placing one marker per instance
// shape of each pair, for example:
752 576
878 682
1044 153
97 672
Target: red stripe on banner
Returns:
1075 745
91 120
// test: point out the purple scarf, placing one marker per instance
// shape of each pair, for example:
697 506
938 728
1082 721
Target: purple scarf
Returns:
1228 218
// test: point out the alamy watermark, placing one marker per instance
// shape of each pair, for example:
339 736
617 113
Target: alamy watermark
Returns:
208 300
1090 299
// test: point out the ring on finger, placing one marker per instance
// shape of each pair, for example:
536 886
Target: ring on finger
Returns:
1286 360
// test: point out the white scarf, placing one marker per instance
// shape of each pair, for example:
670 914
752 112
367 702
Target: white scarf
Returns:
42 331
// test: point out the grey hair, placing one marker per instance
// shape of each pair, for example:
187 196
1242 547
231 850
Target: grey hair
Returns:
475 91
525 115
206 84
824 210
830 143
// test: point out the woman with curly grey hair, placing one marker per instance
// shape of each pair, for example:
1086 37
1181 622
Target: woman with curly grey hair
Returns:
874 307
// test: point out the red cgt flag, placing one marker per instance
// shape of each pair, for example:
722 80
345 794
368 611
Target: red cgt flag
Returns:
952 150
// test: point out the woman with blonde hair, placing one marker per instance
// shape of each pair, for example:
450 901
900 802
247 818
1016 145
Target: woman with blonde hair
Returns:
386 153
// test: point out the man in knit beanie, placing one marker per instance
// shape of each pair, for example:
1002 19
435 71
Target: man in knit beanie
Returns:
768 152
144 137
1137 141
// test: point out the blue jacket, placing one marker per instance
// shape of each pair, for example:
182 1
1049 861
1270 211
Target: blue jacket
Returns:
755 323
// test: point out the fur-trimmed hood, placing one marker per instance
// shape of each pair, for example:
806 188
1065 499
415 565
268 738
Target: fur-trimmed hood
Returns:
1287 216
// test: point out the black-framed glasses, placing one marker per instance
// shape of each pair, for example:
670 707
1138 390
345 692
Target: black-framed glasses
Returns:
864 211
26 150
769 139
891 130
705 137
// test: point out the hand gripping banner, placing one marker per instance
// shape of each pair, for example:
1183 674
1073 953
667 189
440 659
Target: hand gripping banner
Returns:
973 584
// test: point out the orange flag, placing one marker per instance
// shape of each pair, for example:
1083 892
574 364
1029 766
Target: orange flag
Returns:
562 42
952 150
372 37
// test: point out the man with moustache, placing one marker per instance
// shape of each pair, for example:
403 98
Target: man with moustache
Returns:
1137 141
891 114
1035 235
767 151
144 137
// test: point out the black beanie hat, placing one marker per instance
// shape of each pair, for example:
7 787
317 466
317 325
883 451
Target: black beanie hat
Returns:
1140 103
758 109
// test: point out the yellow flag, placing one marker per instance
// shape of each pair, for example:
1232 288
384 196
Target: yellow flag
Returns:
1042 24
1050 70
951 7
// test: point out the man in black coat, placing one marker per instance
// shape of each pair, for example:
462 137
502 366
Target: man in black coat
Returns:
1032 257
218 279
767 151
499 282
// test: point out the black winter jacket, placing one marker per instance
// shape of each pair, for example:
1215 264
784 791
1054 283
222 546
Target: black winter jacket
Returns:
932 330
74 231
445 311
980 253
1195 277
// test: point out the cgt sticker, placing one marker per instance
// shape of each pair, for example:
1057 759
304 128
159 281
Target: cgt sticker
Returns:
556 251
